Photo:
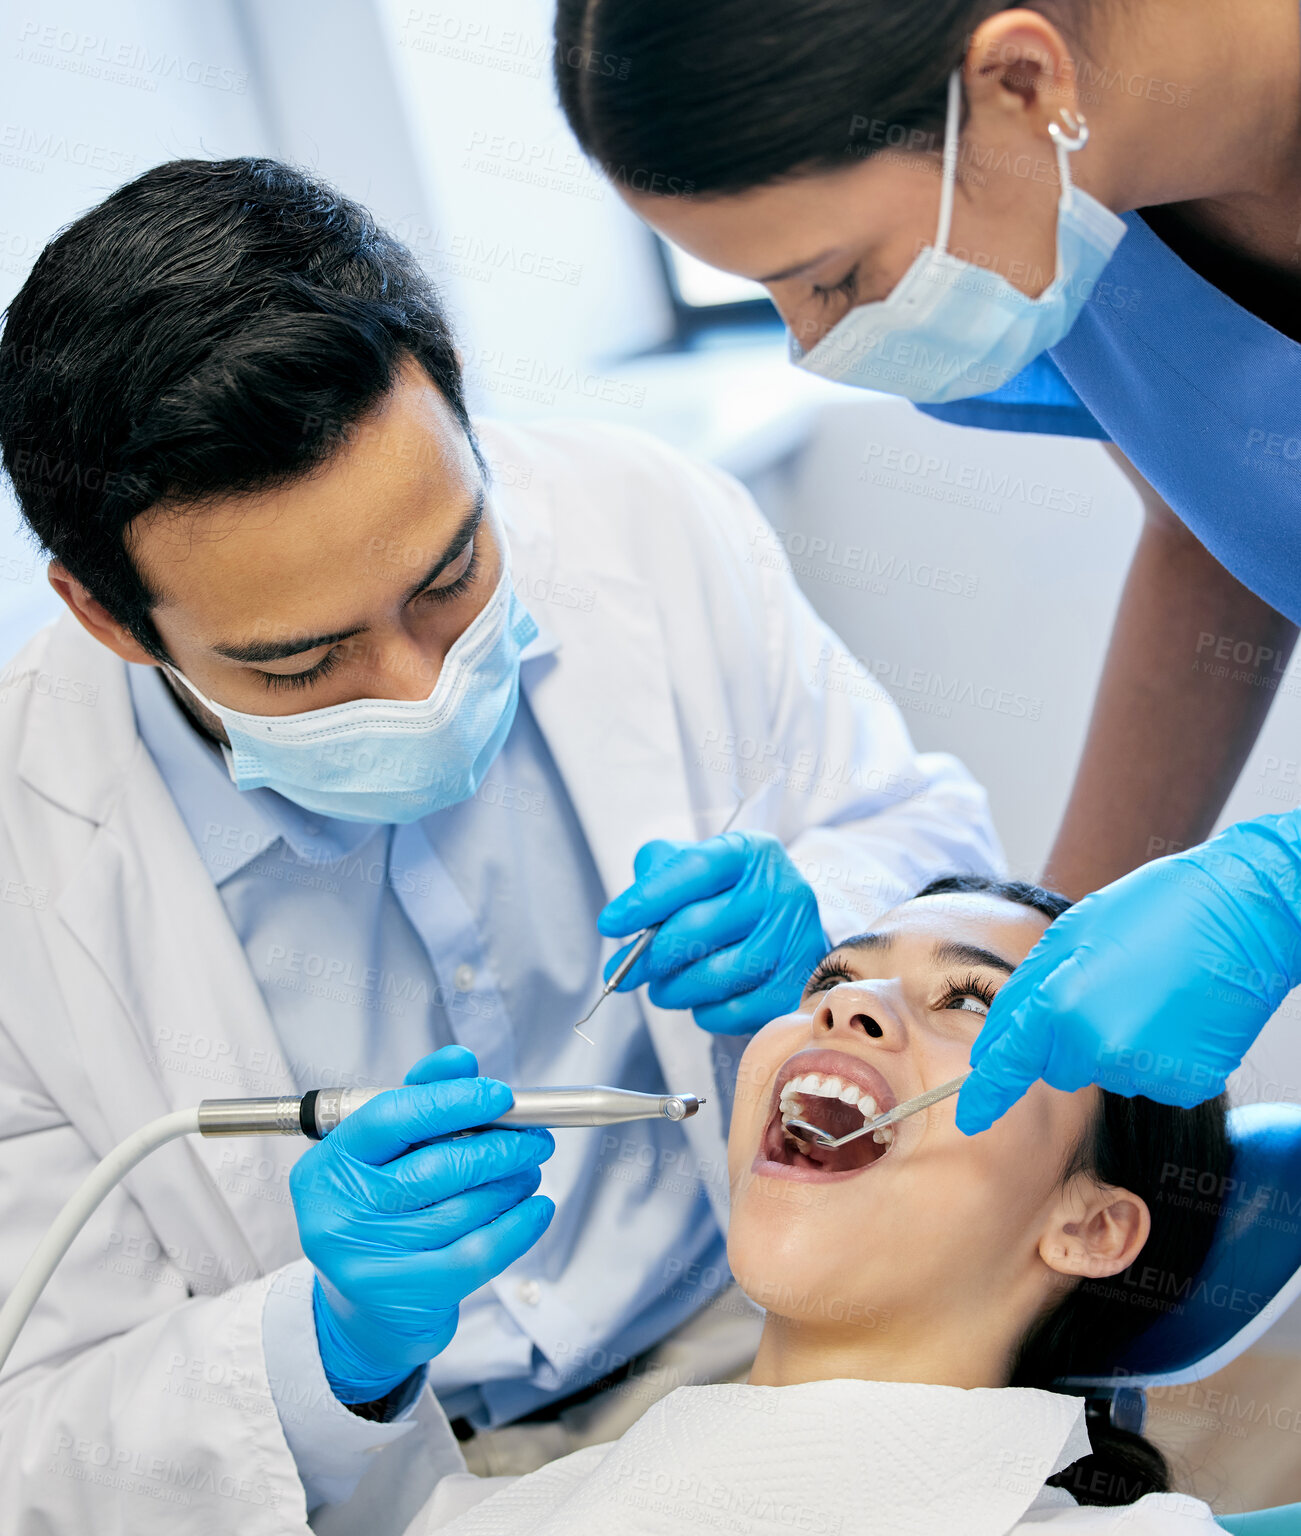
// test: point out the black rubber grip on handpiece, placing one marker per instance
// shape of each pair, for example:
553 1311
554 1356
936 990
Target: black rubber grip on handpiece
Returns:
307 1114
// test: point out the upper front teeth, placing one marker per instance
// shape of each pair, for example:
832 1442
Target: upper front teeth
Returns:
814 1085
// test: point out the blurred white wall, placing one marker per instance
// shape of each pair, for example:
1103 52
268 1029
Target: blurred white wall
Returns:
975 573
550 278
90 95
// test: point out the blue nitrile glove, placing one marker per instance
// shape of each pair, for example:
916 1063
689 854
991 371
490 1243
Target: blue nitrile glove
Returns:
401 1227
1154 985
741 929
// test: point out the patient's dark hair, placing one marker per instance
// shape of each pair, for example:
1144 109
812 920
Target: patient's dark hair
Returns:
1131 1144
214 327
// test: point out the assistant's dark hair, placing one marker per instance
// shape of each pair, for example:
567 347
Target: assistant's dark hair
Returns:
1132 1144
722 95
211 328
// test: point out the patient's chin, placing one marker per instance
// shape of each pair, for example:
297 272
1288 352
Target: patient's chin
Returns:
794 1287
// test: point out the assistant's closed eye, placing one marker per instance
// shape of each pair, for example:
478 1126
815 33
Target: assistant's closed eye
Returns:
846 288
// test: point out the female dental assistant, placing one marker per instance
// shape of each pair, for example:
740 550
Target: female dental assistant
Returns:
1084 219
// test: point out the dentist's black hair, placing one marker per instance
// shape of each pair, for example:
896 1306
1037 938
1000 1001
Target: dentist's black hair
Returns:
717 96
1132 1144
214 327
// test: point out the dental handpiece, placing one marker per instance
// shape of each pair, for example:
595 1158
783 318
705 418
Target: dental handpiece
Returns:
316 1113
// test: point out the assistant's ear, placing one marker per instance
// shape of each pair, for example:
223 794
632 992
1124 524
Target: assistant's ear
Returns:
1096 1231
1019 65
96 619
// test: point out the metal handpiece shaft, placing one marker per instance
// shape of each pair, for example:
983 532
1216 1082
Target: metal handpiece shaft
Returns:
319 1111
595 1106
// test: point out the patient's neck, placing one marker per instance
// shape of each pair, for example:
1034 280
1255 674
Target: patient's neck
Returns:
977 1354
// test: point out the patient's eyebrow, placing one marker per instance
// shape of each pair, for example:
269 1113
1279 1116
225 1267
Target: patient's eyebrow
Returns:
950 952
866 941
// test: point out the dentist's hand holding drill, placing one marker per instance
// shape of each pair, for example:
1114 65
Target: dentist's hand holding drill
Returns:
402 1225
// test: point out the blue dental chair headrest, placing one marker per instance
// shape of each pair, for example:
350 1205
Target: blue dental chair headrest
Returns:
1251 1276
1252 1273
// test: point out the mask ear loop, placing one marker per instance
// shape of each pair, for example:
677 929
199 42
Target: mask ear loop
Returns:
189 687
951 126
1068 134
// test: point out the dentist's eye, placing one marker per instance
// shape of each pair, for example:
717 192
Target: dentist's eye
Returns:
970 994
461 581
828 972
846 288
323 668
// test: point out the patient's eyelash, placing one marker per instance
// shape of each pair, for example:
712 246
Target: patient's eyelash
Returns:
846 288
826 972
326 665
968 986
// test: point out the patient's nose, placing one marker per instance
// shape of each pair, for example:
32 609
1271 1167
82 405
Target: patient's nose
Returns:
852 1008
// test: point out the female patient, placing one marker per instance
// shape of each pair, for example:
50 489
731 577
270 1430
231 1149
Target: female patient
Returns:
924 1291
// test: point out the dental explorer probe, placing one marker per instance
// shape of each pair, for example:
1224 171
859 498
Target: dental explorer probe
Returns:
806 1132
315 1114
639 946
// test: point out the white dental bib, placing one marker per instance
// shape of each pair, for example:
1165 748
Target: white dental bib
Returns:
830 1458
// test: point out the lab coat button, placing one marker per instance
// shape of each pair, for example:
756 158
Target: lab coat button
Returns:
529 1292
464 978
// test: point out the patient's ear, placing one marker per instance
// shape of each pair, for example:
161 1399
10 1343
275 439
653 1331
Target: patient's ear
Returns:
1096 1230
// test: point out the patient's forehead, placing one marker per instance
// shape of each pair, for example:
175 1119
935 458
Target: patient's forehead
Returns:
913 929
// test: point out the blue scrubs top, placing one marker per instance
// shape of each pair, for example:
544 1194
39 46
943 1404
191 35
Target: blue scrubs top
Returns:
1201 396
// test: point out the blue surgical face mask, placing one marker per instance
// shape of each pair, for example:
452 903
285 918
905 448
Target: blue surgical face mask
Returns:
949 329
393 760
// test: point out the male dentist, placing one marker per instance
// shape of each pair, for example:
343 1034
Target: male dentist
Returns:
359 717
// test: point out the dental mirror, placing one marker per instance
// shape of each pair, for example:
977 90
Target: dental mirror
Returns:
803 1131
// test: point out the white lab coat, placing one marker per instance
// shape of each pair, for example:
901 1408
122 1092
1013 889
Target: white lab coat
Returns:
137 1400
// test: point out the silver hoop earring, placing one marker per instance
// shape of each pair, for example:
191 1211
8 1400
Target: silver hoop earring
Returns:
1072 132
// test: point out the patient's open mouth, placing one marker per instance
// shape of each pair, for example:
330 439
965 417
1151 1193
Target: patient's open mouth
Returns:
837 1093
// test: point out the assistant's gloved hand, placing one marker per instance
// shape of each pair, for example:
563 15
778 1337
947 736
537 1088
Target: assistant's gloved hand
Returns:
1154 985
741 929
402 1227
